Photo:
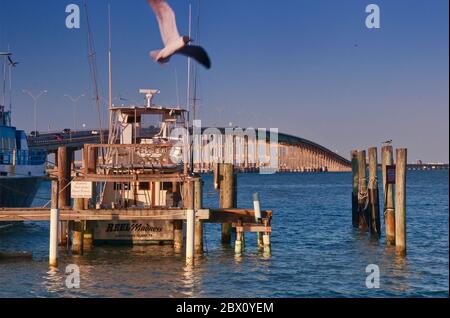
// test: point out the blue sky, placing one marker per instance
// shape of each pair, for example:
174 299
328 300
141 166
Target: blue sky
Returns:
308 67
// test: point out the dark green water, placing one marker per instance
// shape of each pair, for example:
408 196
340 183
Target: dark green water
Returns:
315 250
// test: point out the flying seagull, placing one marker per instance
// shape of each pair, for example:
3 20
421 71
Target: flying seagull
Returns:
387 142
173 42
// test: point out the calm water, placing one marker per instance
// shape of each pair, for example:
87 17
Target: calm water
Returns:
315 250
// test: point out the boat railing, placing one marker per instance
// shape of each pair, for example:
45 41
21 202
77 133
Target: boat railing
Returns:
22 157
136 156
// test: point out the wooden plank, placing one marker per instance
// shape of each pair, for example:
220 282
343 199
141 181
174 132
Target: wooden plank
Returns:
132 178
232 215
252 228
8 215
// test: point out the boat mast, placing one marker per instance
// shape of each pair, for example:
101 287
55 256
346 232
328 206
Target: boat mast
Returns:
93 71
188 94
197 39
111 130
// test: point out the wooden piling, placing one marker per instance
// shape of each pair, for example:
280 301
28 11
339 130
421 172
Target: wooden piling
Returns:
375 225
257 208
388 190
78 229
64 158
177 226
54 224
198 203
64 163
239 242
190 222
355 179
400 201
363 206
227 196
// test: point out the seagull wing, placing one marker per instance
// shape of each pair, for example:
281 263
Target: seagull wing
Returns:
166 20
197 53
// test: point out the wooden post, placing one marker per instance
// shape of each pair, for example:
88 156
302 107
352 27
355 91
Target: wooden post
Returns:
227 196
78 229
375 226
198 224
91 164
257 208
64 163
239 242
400 201
54 224
190 223
388 189
355 179
363 206
177 226
64 158
216 176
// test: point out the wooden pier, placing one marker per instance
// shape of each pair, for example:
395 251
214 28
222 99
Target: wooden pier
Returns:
68 214
140 188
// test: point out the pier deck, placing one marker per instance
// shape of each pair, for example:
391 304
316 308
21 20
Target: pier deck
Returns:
68 214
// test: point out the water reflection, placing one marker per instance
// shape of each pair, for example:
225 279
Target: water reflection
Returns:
53 281
188 281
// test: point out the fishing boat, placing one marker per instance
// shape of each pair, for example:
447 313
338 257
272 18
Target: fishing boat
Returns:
145 141
21 169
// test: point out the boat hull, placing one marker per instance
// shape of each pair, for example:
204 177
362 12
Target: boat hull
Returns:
18 192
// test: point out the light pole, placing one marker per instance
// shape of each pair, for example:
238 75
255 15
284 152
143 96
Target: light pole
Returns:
35 100
74 102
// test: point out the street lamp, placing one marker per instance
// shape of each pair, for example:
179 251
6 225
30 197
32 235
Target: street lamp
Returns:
74 102
35 100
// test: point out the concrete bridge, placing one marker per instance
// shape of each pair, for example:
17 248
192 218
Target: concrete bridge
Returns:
293 154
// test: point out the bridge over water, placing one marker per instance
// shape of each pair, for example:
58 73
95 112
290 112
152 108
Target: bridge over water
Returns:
294 154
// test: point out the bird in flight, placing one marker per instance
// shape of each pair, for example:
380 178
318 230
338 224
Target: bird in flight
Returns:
387 142
173 42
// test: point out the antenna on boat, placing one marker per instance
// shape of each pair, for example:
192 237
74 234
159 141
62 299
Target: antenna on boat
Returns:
11 66
110 102
93 71
197 39
188 95
5 56
176 87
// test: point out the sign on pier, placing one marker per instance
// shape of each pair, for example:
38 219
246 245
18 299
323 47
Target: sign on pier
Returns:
81 190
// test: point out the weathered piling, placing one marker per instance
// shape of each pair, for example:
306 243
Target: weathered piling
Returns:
266 240
257 208
239 242
64 164
363 202
190 223
216 171
355 182
388 189
198 204
64 159
227 196
400 201
177 226
78 229
54 224
375 226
